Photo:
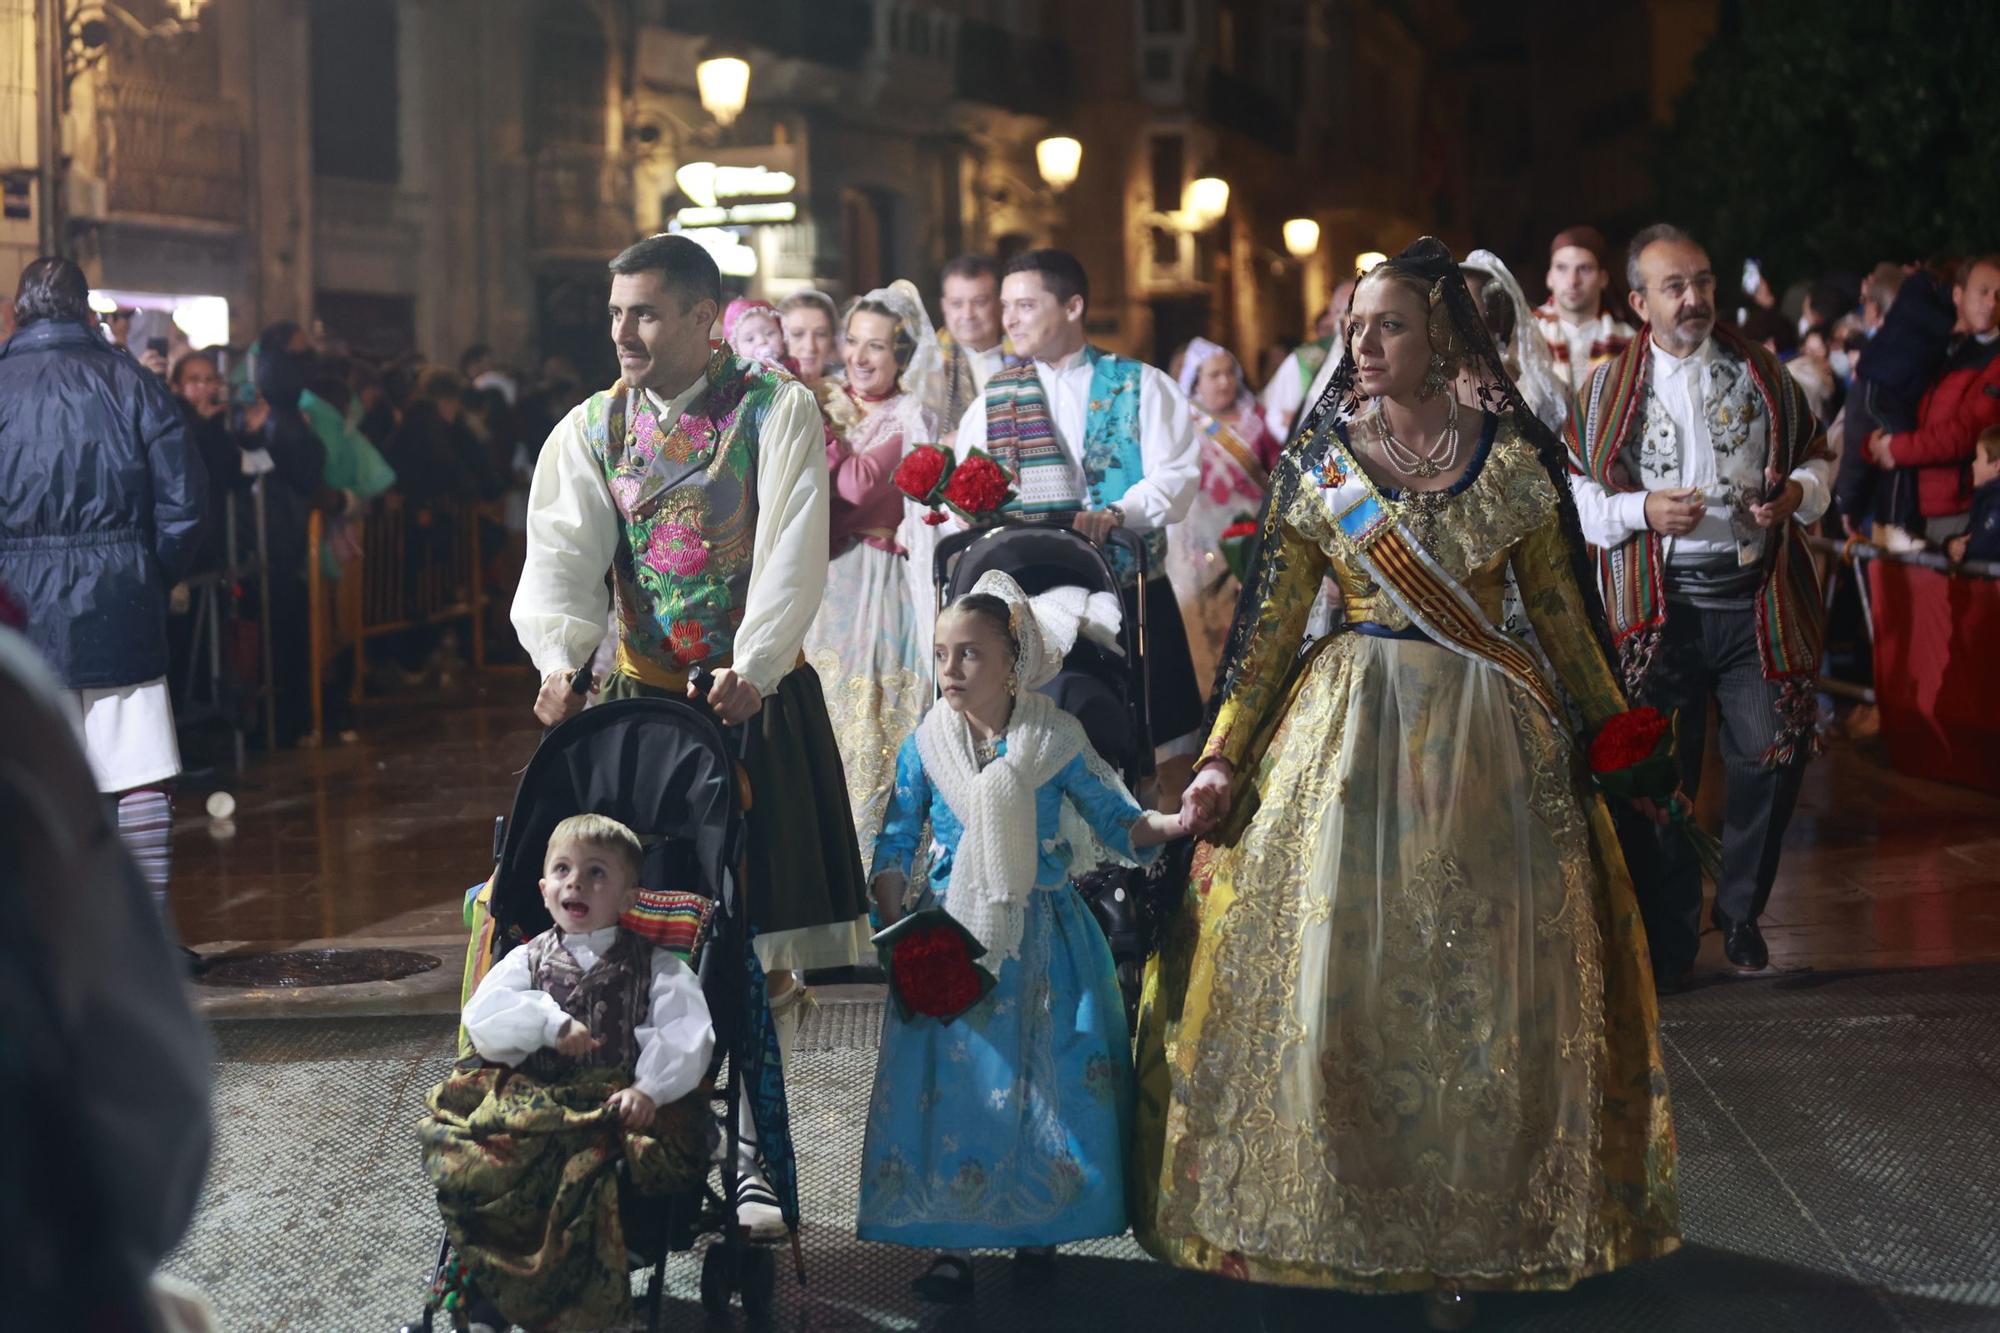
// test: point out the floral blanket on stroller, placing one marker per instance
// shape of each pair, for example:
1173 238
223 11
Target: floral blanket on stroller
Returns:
526 1175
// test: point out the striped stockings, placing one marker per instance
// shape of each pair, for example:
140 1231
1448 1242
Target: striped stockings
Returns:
146 825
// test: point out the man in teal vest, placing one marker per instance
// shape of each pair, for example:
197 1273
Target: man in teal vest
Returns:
1105 438
698 482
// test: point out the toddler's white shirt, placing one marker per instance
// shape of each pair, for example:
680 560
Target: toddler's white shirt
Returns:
508 1020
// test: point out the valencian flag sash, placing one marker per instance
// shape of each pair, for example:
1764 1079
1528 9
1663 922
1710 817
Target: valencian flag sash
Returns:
1413 579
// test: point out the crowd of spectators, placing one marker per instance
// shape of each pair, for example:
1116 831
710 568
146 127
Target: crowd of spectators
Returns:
332 431
1903 367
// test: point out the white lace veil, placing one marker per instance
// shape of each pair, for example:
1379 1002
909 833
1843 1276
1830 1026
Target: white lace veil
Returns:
923 378
1534 369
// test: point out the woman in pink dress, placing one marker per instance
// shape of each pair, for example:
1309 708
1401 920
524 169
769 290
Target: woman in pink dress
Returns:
871 641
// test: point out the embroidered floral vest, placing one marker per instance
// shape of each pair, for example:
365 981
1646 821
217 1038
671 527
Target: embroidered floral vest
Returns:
610 999
688 499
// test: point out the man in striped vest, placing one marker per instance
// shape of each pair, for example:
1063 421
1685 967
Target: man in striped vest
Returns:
1697 466
1107 439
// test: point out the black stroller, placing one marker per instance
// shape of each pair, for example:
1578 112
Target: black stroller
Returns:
1103 690
666 769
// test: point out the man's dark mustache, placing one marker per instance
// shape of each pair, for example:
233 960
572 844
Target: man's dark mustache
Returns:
1699 312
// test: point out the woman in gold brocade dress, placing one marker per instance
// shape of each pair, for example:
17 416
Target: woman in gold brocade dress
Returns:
1401 1032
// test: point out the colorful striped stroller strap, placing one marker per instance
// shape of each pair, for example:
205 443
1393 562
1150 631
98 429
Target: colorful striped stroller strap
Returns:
672 920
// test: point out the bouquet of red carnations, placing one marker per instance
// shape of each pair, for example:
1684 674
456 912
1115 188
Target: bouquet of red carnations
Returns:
975 487
1236 541
1632 758
930 957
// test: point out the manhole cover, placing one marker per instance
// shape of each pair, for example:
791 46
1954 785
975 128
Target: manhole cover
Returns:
315 967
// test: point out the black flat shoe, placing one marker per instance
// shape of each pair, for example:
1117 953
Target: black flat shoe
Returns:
948 1281
1036 1266
1743 944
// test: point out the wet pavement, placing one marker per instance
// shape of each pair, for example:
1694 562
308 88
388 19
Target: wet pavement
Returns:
1839 1161
1839 1170
374 844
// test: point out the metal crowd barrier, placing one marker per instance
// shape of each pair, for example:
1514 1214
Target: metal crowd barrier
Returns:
213 606
387 590
1850 555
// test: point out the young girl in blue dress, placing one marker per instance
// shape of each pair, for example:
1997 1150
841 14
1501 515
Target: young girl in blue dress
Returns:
1007 1127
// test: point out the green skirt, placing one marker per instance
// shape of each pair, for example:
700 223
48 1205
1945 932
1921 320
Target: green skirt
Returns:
807 894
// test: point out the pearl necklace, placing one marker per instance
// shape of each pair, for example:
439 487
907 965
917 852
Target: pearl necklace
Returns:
1440 458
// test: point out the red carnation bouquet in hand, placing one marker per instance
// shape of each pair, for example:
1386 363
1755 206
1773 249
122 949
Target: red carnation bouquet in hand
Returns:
930 959
975 487
1632 758
1235 541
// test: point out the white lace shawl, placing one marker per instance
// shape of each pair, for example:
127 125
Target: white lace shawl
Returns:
993 870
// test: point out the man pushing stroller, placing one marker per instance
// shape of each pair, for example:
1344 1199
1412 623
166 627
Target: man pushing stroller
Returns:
699 481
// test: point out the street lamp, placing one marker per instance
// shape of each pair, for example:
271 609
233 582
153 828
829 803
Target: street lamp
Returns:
1301 237
1204 201
1059 158
724 83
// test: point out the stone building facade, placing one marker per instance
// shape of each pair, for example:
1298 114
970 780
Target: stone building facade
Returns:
434 173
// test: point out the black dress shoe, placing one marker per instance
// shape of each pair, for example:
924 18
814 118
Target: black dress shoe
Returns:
1743 944
947 1282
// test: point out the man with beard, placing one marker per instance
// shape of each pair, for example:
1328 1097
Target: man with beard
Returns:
1582 335
699 482
1698 465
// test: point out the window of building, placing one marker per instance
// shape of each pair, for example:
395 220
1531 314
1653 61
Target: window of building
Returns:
1169 171
355 109
572 71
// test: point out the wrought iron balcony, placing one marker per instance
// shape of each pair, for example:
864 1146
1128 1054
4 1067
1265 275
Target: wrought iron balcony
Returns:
166 155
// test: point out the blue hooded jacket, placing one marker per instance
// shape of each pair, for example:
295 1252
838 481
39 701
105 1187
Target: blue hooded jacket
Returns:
102 499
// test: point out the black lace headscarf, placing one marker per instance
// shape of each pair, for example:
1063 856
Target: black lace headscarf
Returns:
1458 333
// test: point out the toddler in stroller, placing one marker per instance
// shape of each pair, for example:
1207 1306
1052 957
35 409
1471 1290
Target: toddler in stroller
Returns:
666 769
585 1030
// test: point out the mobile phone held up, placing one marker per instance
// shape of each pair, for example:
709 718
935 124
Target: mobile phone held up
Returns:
1753 277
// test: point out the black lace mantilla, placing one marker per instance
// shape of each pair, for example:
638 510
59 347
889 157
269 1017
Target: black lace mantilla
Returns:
1458 328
